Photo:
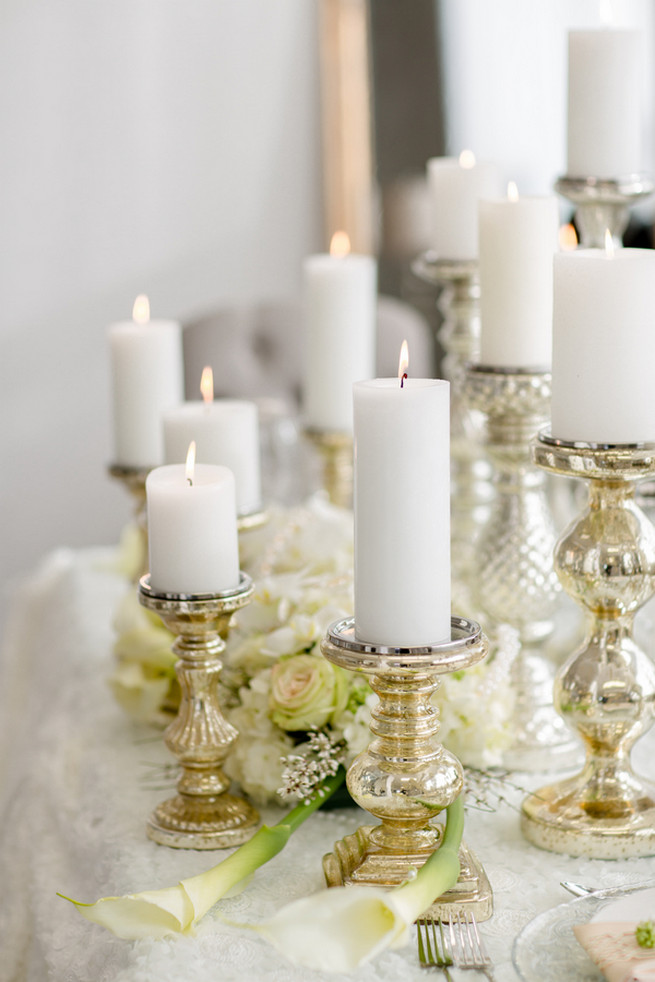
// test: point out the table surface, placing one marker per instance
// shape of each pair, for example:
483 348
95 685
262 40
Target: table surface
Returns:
78 780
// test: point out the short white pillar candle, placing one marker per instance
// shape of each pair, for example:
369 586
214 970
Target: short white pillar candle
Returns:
604 346
402 511
340 304
456 185
604 103
518 238
147 378
192 530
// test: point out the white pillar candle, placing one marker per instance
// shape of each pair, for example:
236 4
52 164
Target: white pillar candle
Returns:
192 530
604 346
402 511
340 325
147 378
225 432
456 185
604 114
518 238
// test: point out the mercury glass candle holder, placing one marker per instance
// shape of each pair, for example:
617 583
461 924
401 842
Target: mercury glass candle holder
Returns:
405 777
606 689
459 335
514 581
203 815
336 453
134 479
603 204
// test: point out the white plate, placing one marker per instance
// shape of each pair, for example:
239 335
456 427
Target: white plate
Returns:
546 949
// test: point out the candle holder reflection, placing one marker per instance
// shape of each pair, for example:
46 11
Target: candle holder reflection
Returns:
603 204
459 335
202 815
606 689
514 581
336 454
134 479
405 777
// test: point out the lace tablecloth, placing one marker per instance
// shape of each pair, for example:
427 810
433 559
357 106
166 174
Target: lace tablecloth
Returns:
75 788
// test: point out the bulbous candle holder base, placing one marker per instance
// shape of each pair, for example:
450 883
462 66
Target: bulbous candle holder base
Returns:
606 689
459 335
336 452
134 479
405 777
202 815
603 204
514 581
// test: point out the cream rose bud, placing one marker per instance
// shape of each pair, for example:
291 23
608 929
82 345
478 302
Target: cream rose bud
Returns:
307 692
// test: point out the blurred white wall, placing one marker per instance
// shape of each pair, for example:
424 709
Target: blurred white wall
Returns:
505 77
156 146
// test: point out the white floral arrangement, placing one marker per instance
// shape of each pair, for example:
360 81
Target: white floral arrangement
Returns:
299 716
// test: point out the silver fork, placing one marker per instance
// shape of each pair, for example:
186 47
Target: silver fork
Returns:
466 946
432 949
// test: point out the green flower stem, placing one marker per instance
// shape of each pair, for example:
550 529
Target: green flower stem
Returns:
441 871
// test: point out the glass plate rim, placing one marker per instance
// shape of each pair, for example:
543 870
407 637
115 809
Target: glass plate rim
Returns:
575 903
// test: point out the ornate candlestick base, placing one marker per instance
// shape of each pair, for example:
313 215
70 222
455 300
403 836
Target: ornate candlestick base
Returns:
202 815
603 204
606 689
336 450
134 479
459 335
405 777
514 581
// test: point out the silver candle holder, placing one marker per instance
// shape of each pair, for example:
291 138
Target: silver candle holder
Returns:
606 689
134 480
405 777
603 204
203 815
514 581
459 335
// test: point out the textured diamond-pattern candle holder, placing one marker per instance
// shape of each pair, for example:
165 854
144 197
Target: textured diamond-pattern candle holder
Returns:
405 777
203 815
606 689
603 204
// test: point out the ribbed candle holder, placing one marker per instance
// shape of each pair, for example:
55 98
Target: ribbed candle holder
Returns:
603 204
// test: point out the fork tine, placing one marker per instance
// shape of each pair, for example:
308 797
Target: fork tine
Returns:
432 947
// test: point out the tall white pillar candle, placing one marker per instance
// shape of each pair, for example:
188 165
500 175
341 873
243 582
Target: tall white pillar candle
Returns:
192 530
604 346
226 432
518 238
402 511
456 185
147 378
604 111
340 294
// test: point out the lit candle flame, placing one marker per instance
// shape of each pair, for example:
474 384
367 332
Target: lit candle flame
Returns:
512 191
403 362
467 159
340 244
568 238
207 385
191 463
609 244
141 309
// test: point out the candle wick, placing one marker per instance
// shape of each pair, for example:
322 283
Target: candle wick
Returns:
402 379
189 482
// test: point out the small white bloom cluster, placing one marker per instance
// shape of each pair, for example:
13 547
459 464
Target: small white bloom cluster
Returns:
324 753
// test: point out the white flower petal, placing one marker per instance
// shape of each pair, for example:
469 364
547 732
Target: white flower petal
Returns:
151 914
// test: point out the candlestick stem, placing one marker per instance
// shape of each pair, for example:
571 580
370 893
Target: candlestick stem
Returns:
603 204
606 689
134 479
336 453
203 815
405 777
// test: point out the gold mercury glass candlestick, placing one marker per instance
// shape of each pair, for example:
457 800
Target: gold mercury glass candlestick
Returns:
203 815
603 203
134 479
606 689
514 581
459 335
405 777
336 453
